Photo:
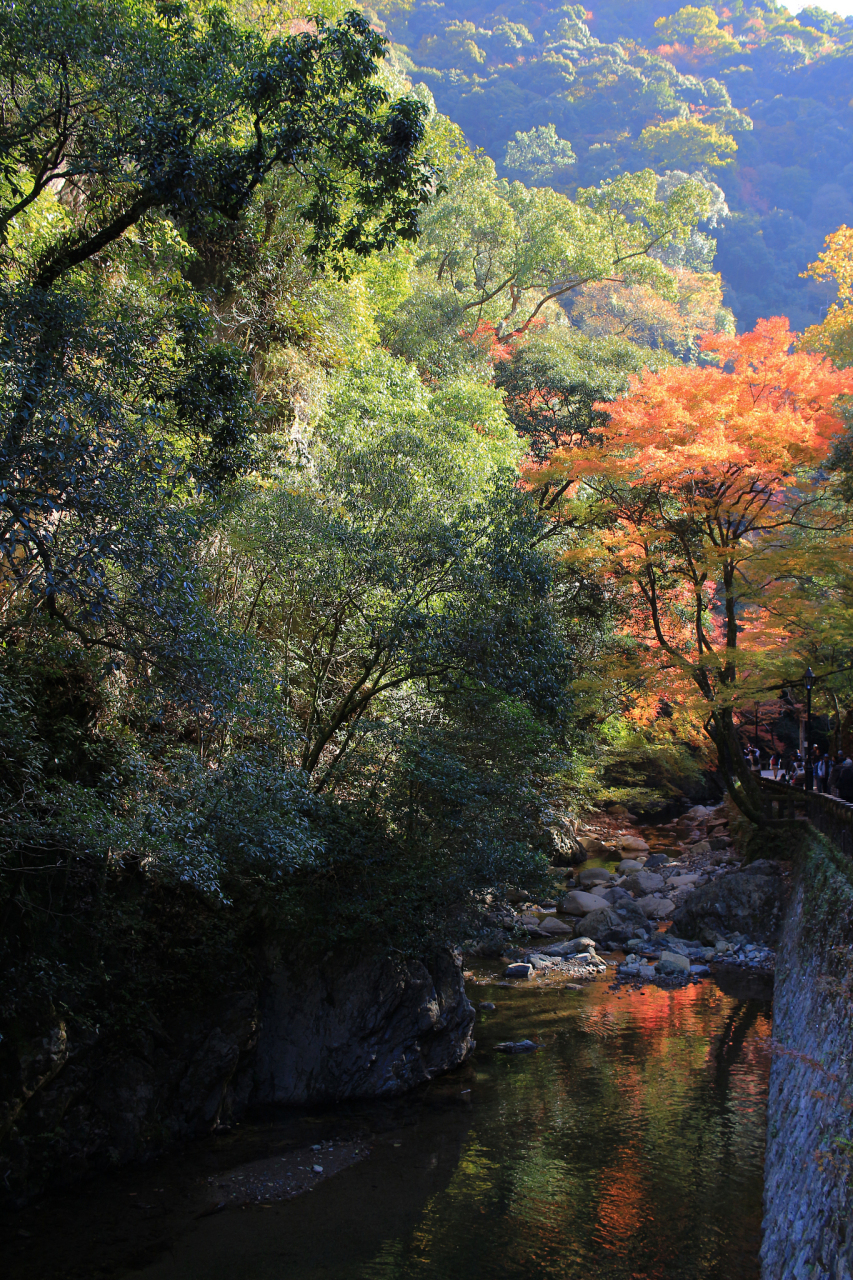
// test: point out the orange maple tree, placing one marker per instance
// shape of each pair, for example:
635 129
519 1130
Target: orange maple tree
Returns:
707 498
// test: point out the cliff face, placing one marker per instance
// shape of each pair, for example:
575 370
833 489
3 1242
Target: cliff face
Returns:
808 1198
373 1030
73 1103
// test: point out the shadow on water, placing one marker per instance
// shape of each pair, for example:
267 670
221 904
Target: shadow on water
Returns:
629 1147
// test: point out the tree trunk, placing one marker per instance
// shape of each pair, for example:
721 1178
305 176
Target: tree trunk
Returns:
741 783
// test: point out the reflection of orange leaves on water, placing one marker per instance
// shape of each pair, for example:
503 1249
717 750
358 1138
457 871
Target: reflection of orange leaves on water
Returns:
623 1201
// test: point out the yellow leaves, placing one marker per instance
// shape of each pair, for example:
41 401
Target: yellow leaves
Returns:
834 336
836 262
687 144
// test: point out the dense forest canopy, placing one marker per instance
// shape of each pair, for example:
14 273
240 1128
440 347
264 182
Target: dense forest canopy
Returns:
758 99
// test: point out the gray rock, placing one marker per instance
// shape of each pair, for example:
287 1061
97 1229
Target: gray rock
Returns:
519 970
630 864
642 883
656 860
656 908
615 895
516 1046
486 1006
578 903
593 875
701 846
744 901
551 925
672 962
570 948
613 924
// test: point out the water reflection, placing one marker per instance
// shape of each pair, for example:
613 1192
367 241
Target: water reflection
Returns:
628 1148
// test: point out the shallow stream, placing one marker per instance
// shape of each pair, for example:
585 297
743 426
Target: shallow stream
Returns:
628 1147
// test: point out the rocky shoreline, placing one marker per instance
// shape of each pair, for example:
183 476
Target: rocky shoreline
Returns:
678 907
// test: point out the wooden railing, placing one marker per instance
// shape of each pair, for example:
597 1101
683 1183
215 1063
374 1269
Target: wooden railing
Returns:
830 815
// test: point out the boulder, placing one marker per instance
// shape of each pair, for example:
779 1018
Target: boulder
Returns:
656 860
570 948
634 843
642 883
701 846
593 875
615 895
578 903
748 902
672 962
369 1029
595 848
629 864
613 925
656 908
552 925
519 970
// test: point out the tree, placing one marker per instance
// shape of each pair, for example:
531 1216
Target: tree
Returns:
539 154
402 562
834 335
687 143
148 154
709 491
494 252
134 107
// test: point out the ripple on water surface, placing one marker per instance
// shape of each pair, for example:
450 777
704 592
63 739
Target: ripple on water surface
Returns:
629 1147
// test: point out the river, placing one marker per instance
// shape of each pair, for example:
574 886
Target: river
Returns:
627 1147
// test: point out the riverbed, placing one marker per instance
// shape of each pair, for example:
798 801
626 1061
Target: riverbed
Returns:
627 1146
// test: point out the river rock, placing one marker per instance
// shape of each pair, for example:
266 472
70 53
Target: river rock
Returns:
656 908
656 860
578 903
595 848
634 844
747 902
519 970
613 925
615 895
642 883
593 875
551 925
672 962
570 947
684 880
701 846
629 864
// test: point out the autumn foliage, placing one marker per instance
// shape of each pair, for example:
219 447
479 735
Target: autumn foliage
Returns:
705 503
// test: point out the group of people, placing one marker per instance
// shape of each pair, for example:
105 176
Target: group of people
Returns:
832 775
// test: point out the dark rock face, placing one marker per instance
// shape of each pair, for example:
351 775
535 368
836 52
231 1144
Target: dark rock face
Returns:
751 902
72 1103
373 1030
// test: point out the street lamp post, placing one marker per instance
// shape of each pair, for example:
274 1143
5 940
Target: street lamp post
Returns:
808 681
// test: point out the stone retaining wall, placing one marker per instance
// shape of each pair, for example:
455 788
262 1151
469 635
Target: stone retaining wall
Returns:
808 1197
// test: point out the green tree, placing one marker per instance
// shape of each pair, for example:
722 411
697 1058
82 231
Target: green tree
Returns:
539 154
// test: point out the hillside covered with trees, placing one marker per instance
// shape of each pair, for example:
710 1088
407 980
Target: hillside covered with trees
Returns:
755 98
